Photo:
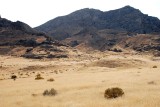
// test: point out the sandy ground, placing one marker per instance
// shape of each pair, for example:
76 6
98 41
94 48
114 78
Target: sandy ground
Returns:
81 81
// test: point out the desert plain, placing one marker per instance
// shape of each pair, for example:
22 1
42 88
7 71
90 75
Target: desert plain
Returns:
80 80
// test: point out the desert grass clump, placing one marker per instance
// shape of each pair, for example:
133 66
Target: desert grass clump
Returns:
21 74
51 92
113 93
38 77
56 72
154 66
1 79
151 82
50 80
14 77
34 95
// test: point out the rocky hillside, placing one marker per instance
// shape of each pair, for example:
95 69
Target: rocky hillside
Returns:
19 39
100 30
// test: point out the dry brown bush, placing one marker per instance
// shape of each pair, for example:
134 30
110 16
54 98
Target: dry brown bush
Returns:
51 92
113 92
14 77
154 66
38 77
50 80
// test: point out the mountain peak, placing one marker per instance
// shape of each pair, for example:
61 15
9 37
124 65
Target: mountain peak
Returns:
128 7
127 18
86 11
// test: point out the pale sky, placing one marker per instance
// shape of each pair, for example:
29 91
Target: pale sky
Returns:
37 12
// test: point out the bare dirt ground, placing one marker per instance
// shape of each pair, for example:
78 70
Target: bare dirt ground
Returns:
81 81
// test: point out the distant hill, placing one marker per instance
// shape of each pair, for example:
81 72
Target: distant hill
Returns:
7 24
100 30
19 39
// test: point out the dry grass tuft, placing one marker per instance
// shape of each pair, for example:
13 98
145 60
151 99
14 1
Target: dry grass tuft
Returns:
56 72
151 83
50 80
113 92
34 95
14 77
38 77
51 92
154 66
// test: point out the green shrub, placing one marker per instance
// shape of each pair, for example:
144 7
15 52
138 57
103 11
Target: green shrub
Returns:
113 92
51 92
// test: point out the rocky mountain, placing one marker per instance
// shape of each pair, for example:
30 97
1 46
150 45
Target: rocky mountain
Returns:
127 18
100 30
19 39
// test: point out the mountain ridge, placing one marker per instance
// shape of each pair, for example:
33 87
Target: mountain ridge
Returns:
95 29
126 18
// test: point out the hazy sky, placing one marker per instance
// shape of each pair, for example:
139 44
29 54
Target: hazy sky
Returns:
37 12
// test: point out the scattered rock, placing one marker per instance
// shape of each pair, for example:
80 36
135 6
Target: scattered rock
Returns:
32 56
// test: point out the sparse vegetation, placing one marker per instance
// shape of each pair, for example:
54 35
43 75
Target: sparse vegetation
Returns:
38 77
21 74
51 92
60 71
1 79
154 66
151 82
34 95
113 92
56 72
14 77
50 80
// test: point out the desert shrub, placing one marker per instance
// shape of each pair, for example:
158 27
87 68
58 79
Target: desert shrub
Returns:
154 66
113 92
14 77
34 95
27 74
1 79
45 92
51 79
56 72
21 74
38 77
51 92
151 82
60 71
